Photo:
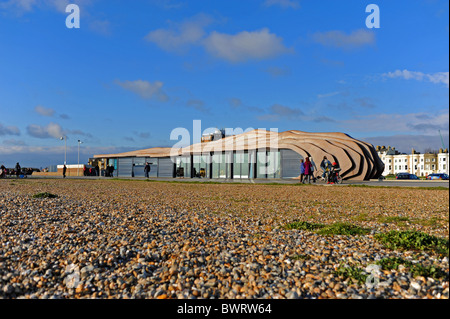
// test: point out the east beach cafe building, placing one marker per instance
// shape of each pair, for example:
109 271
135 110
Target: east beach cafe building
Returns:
258 154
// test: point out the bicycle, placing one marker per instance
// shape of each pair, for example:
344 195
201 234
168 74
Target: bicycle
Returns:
334 176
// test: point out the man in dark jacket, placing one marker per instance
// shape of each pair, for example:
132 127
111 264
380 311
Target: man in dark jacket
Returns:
64 171
18 169
147 169
111 171
325 165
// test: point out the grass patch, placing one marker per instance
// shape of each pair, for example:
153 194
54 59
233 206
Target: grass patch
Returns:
351 273
343 229
362 217
433 221
333 229
414 240
359 275
414 268
44 195
304 226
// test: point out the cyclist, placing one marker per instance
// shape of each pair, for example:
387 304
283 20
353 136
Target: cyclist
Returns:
334 174
325 165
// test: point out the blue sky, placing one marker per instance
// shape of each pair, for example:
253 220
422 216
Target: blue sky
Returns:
136 70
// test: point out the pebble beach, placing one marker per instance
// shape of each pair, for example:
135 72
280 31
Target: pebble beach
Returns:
159 240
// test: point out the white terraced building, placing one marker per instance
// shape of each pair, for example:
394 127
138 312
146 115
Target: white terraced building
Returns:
414 163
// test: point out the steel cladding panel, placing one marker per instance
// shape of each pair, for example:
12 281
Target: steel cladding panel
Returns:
138 168
153 166
290 163
125 167
165 167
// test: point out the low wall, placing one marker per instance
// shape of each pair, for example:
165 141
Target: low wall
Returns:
46 174
69 172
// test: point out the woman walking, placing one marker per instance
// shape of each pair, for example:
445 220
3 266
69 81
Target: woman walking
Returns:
302 170
308 170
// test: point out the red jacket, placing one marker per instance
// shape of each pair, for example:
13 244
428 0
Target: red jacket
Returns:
308 166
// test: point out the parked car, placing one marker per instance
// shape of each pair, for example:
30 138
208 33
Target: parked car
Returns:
406 176
437 176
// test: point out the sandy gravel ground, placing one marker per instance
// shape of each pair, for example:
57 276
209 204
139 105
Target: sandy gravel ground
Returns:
138 239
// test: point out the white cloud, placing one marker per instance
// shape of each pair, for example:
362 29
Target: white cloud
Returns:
285 110
325 95
245 45
238 105
235 102
439 77
145 89
425 123
102 27
44 111
13 142
283 3
59 5
278 112
406 142
28 5
49 112
78 133
168 4
339 39
278 71
9 130
20 5
52 130
365 102
199 105
181 36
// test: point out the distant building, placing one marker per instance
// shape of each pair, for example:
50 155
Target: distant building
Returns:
414 163
254 154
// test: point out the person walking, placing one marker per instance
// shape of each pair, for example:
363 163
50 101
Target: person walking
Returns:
313 169
147 169
64 170
18 169
302 170
325 165
308 172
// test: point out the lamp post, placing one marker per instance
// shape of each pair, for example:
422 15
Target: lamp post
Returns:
79 142
65 148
